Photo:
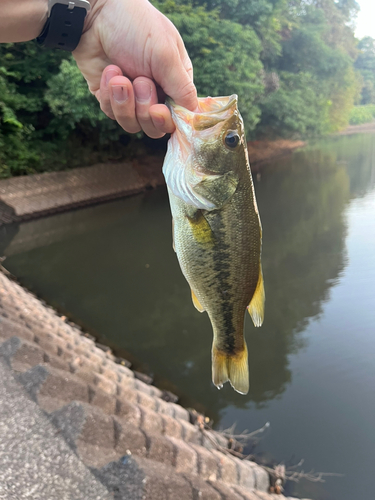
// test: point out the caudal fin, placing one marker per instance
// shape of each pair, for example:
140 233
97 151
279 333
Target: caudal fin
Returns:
230 368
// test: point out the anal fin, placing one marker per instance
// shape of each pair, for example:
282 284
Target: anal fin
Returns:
256 306
196 302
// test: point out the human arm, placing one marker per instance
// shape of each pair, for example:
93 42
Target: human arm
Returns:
22 20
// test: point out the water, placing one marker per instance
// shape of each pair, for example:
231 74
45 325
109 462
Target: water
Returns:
112 268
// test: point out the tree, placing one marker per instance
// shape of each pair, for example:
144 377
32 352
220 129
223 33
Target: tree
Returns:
225 54
318 86
365 64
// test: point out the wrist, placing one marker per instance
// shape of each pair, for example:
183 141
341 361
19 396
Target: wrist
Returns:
96 7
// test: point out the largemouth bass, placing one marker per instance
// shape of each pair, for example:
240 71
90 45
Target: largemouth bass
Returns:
217 232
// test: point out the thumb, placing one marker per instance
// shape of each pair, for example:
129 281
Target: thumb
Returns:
177 82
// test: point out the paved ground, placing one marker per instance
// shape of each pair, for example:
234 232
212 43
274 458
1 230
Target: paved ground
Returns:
35 460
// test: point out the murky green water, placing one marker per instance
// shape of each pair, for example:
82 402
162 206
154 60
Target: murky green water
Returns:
112 268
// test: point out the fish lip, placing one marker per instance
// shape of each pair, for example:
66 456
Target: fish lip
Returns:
176 108
210 113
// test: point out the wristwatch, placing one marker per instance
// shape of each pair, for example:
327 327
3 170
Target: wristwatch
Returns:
64 25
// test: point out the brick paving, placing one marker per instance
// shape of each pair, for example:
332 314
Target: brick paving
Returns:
134 442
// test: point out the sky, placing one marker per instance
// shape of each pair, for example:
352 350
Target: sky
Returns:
366 19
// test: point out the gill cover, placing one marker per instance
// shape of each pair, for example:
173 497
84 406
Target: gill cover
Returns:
186 173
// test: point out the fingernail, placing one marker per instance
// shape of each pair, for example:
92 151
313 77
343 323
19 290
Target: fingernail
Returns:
120 93
110 74
158 120
142 91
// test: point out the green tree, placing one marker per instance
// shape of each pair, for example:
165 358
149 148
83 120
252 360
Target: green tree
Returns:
225 55
15 152
365 64
318 86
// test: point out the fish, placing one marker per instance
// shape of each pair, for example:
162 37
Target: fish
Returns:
217 233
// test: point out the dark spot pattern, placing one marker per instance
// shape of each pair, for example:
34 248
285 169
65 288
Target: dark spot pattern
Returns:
222 276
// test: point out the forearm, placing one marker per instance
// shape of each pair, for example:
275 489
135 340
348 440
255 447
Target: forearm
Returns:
22 20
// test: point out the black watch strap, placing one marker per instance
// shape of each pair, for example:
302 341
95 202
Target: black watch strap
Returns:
64 25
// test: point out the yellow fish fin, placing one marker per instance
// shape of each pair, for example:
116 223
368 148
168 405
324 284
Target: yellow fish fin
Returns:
196 302
201 229
232 368
256 306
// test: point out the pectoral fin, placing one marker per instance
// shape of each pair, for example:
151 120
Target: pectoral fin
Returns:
196 302
201 229
217 189
256 306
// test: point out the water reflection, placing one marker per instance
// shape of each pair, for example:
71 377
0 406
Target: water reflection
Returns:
112 267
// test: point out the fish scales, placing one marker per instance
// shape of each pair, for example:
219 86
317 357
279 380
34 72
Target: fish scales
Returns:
216 228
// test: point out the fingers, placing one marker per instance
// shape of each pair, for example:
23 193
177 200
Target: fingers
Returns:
146 98
133 105
162 119
122 103
104 97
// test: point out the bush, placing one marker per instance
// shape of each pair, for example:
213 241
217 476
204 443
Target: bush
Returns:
225 55
16 154
296 109
362 114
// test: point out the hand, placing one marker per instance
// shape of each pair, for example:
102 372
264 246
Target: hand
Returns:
130 54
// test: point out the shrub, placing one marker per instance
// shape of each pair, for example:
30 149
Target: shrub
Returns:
362 114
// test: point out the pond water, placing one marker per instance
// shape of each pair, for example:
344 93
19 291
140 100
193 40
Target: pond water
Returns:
111 267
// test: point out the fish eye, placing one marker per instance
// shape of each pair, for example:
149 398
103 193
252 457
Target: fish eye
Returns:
232 139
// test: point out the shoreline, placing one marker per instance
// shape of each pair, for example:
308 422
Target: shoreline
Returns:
358 129
38 195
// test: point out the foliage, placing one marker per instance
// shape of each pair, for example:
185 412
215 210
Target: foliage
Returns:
225 56
295 109
48 118
14 136
294 64
362 114
365 64
73 106
319 53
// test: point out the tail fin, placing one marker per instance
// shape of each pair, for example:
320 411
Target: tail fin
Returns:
232 368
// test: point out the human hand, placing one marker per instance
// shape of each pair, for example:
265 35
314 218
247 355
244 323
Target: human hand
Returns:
129 54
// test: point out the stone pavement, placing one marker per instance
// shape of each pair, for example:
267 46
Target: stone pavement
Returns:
76 423
35 460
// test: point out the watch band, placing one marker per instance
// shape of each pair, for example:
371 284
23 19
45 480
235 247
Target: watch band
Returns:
64 25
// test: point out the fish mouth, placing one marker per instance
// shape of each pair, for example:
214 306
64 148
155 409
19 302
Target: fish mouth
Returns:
210 112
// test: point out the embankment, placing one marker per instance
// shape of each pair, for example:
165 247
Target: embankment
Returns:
27 197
